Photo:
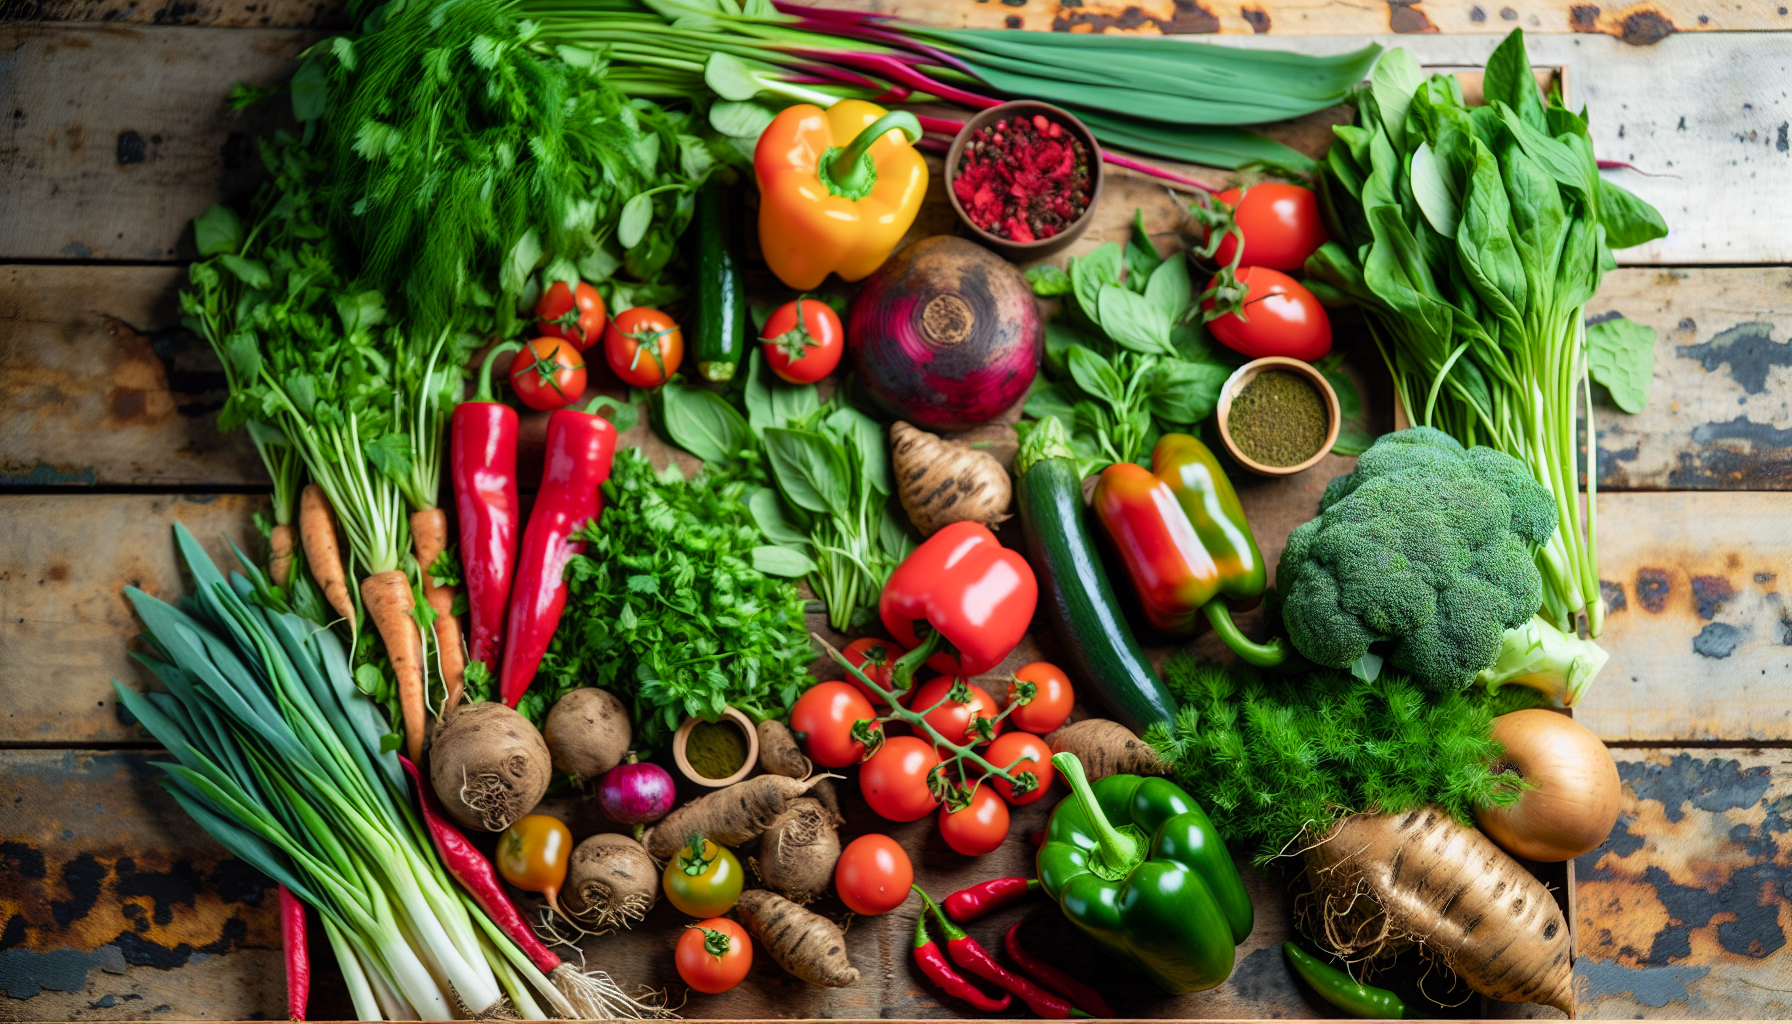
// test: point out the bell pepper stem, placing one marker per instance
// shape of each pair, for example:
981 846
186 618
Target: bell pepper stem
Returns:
1268 655
850 173
1114 848
902 670
484 394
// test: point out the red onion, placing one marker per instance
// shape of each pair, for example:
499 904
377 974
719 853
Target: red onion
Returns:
635 794
946 334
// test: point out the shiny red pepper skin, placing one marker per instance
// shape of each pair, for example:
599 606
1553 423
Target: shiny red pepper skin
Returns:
978 595
968 954
482 468
580 449
984 897
298 955
1045 974
933 964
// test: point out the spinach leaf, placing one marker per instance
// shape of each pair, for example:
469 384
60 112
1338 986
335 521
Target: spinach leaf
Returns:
1092 272
1184 393
1096 376
1628 220
1133 321
702 423
811 470
779 561
1621 355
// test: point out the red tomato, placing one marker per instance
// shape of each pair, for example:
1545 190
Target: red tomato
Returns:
822 720
1052 699
1283 319
1032 754
548 374
894 780
952 719
1280 223
873 875
578 317
978 828
643 346
806 351
714 955
873 657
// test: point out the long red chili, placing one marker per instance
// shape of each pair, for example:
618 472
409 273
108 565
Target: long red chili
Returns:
1045 974
475 874
579 452
968 954
933 964
482 467
298 955
972 903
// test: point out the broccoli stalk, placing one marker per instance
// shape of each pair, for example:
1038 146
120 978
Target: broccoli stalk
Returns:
1544 658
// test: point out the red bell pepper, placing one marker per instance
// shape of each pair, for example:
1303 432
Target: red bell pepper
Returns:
961 602
482 467
580 448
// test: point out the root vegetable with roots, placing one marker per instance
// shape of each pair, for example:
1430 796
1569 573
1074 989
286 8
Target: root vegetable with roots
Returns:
1107 748
798 851
729 816
611 883
488 765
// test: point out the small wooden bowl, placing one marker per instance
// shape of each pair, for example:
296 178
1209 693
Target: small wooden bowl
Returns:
748 731
1244 375
1022 252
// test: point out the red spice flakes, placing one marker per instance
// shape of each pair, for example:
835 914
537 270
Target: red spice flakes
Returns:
1024 179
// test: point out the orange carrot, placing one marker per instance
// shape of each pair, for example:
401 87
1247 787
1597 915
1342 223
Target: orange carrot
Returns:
317 531
388 599
429 533
280 543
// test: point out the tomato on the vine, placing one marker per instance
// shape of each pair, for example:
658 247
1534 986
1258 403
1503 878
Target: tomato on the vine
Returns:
803 340
1280 223
977 828
822 721
1052 700
643 346
952 719
873 875
714 956
894 780
548 374
703 884
578 315
874 657
1282 318
1026 753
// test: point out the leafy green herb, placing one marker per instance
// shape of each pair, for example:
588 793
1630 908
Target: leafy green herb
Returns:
1621 355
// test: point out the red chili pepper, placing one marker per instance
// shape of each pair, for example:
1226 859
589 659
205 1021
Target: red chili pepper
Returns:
976 595
298 955
971 956
579 451
970 904
1045 974
933 964
482 466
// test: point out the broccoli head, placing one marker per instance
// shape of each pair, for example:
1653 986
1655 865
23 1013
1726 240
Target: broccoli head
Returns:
1421 557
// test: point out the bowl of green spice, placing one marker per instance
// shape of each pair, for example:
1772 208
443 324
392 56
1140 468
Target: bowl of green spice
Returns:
1278 416
718 753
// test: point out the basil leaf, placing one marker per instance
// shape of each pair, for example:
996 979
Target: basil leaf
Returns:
705 425
1141 254
1048 281
792 403
758 393
893 536
1169 291
1092 272
777 561
1184 393
1621 355
770 516
1049 401
1059 336
1133 322
1094 375
810 469
861 435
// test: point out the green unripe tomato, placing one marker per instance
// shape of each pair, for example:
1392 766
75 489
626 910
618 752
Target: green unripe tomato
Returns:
706 883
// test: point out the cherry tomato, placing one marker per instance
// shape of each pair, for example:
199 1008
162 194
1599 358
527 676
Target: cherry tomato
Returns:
894 780
1280 223
578 316
802 351
822 720
643 346
873 875
703 885
979 827
873 657
1052 698
714 956
952 719
1033 754
532 855
1284 319
548 374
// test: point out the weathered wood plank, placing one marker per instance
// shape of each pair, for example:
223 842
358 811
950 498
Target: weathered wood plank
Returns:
1683 911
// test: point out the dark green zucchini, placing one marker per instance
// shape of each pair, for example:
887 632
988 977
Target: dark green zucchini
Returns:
718 338
1074 593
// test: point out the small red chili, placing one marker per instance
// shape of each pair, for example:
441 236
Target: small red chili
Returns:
984 897
933 964
1045 974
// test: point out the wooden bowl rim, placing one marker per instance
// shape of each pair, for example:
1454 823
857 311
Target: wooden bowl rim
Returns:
1244 375
683 737
1021 252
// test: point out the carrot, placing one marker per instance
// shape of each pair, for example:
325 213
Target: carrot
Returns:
317 531
429 534
280 544
1384 881
388 599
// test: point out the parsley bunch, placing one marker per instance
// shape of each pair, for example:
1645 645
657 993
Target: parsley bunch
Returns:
665 609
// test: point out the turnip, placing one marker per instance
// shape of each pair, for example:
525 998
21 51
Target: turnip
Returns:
587 732
798 851
488 766
610 882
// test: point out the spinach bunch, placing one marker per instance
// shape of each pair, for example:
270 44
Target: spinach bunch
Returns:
1472 237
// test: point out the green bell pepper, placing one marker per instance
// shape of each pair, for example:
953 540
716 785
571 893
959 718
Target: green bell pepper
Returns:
1136 864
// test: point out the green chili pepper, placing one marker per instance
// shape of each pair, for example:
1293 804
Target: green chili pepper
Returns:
1341 990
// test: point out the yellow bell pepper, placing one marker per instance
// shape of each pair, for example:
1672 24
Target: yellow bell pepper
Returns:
837 189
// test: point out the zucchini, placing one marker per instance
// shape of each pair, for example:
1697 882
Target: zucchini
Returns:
718 338
1074 592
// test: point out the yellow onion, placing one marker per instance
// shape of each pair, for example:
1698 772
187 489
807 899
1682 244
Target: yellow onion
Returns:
1574 802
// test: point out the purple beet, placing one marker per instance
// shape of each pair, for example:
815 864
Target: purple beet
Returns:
635 794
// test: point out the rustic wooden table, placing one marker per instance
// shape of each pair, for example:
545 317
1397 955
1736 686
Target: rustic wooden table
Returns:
117 133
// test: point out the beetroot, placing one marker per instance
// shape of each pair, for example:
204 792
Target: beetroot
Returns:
946 334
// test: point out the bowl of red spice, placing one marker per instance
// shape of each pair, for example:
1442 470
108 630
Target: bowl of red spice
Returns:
1024 177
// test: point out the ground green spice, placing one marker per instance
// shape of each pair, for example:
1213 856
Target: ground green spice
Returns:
715 749
1278 419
